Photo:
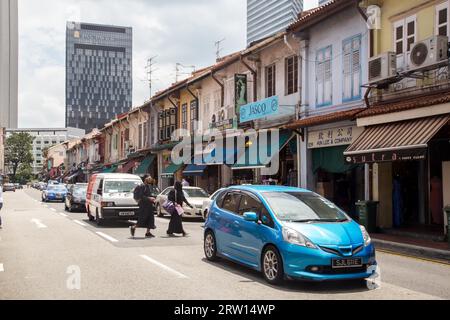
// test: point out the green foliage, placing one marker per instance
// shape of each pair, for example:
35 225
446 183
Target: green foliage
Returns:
18 152
24 174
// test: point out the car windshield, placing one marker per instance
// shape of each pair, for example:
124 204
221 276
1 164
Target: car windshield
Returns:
304 207
79 191
195 193
56 188
121 186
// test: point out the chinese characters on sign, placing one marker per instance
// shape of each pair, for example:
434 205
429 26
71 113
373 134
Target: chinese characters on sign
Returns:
333 137
240 90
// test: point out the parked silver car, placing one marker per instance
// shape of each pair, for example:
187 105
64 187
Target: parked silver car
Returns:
194 195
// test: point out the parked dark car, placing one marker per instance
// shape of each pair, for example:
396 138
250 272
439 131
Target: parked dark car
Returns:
76 197
9 187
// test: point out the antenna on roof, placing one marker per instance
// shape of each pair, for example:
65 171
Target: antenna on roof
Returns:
150 71
218 48
178 69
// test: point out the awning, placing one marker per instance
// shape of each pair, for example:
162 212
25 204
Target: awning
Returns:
244 161
129 165
145 165
398 141
194 170
170 171
73 176
111 169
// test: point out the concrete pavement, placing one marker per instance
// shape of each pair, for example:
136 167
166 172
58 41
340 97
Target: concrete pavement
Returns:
42 249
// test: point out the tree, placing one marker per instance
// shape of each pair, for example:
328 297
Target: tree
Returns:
24 173
18 151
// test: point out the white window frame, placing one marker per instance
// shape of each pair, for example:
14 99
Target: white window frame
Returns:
403 58
440 7
324 60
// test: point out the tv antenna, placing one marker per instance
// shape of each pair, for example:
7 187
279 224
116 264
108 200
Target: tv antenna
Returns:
150 72
179 67
219 48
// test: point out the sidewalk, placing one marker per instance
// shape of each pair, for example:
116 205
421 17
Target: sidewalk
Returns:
412 246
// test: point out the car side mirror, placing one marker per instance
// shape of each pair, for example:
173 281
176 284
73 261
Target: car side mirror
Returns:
251 216
99 192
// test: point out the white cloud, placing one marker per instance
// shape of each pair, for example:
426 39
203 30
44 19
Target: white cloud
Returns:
176 31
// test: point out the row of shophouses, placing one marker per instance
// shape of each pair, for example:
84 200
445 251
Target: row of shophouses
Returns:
363 111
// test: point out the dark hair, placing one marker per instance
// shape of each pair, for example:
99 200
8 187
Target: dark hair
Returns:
178 186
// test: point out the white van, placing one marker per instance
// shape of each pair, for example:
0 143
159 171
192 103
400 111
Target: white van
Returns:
110 197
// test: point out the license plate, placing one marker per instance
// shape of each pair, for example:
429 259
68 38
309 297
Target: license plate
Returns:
126 214
347 263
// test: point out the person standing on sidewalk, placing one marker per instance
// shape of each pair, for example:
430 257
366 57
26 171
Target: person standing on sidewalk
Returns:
1 203
146 195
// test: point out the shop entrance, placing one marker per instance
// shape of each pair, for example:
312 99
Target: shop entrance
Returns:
406 207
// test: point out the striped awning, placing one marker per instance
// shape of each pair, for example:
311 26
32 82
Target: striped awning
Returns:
398 141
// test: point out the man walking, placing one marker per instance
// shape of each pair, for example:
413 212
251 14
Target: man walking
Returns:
1 203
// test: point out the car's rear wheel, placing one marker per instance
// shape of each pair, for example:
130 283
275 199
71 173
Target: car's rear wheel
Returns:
272 266
159 211
210 246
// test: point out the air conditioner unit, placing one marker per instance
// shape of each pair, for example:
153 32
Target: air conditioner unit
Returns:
382 67
428 52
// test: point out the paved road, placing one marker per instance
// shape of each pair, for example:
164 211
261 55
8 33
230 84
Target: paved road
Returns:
41 246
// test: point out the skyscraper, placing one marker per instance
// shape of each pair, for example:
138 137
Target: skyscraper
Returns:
8 63
98 74
267 17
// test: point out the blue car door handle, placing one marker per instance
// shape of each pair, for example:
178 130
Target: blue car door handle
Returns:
236 223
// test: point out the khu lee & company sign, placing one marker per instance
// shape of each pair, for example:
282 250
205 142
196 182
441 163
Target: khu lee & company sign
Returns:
331 137
260 109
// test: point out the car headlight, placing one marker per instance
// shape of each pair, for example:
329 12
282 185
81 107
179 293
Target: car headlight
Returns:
295 237
366 236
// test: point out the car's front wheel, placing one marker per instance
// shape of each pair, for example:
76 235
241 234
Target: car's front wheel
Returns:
272 266
210 246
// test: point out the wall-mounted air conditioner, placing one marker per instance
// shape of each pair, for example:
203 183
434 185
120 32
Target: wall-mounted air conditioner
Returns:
428 52
382 67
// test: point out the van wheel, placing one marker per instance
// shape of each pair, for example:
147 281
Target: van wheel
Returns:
272 266
98 220
210 246
90 216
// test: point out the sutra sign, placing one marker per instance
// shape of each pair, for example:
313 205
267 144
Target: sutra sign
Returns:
387 156
260 109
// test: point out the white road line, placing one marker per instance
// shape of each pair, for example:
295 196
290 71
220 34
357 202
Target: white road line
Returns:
101 234
80 223
2 269
53 209
163 266
63 215
38 223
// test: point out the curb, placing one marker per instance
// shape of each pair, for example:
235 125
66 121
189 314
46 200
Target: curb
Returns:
409 249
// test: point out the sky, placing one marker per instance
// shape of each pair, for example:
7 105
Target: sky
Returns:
176 31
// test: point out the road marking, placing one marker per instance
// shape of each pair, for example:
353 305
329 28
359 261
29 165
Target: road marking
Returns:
63 215
80 223
163 266
101 234
53 209
38 223
2 269
414 257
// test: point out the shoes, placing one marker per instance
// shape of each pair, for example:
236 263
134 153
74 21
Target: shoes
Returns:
149 235
132 231
170 235
185 234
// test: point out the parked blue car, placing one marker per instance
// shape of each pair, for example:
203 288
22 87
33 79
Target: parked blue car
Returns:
287 233
54 192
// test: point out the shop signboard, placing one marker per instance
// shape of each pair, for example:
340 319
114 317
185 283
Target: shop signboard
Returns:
261 109
331 137
388 156
240 91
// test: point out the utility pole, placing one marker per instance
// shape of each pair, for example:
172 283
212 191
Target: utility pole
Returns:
150 71
178 69
218 48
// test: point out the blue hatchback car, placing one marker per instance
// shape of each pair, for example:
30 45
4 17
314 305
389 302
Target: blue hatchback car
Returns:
289 233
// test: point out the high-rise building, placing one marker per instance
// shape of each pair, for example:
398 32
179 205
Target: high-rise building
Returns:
98 74
267 17
45 138
8 63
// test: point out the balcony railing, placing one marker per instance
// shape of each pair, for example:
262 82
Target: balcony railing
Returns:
413 83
